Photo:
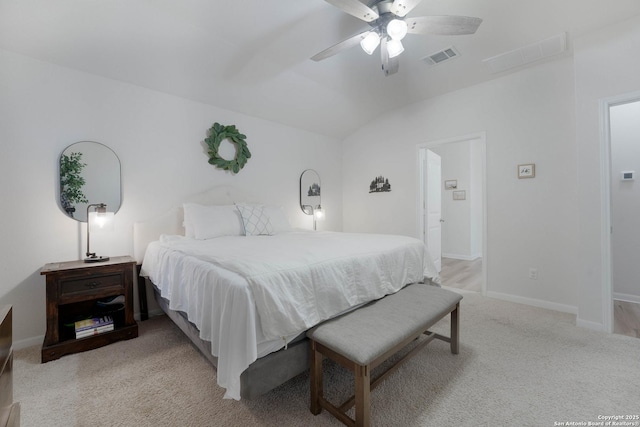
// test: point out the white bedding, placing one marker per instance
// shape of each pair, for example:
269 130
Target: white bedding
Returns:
250 295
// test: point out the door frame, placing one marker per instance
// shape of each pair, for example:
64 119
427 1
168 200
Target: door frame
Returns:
605 202
482 136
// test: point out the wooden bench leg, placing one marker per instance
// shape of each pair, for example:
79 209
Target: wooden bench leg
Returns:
316 379
363 396
455 329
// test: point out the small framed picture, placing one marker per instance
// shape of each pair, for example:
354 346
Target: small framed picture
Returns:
527 171
459 195
451 184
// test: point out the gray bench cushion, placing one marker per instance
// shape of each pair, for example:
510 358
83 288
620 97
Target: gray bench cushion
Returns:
368 332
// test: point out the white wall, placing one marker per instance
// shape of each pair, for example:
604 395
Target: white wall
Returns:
462 229
625 200
158 138
606 65
528 117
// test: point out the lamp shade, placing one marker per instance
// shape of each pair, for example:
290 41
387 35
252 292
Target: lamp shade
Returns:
98 220
394 47
370 42
101 221
318 213
397 29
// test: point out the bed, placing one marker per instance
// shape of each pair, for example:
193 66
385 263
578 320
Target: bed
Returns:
244 286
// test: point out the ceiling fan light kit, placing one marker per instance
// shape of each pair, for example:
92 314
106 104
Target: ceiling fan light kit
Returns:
370 43
394 48
397 29
389 27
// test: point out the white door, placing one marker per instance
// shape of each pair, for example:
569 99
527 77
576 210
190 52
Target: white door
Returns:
433 207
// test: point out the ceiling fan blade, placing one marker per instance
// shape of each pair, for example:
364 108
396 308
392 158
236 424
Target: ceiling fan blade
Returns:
443 25
389 65
402 7
355 8
339 47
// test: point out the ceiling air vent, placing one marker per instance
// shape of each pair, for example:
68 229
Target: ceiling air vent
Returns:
528 54
441 56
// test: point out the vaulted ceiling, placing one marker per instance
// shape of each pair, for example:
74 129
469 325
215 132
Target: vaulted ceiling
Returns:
252 56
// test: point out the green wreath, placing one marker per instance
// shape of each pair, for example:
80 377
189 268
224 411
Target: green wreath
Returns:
217 134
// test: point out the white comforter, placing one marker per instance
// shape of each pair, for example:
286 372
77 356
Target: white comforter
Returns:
262 291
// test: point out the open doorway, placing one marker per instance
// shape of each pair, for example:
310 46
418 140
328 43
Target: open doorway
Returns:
624 144
460 189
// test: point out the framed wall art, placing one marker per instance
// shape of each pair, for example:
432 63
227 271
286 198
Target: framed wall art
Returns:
527 170
459 195
451 184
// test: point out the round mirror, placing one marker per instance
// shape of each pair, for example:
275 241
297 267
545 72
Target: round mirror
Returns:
310 191
89 174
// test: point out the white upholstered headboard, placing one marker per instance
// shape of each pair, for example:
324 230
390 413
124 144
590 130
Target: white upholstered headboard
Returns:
171 222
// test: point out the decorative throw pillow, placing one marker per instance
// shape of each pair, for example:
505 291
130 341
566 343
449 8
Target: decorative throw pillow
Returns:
256 222
277 218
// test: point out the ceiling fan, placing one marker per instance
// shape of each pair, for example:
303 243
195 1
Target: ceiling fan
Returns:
389 25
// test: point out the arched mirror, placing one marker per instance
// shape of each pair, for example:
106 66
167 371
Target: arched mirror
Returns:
89 174
309 191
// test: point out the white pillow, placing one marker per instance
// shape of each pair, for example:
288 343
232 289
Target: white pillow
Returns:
207 222
186 221
256 222
278 219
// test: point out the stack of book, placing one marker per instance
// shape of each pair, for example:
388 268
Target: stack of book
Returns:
93 326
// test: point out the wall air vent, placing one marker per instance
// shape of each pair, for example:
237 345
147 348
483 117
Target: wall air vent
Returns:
441 56
528 54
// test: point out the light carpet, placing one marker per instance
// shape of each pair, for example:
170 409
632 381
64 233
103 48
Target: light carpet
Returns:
518 366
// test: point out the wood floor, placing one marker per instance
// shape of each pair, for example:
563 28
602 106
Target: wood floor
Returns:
626 318
461 274
467 275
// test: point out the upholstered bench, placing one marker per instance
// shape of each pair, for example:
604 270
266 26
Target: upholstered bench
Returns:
364 338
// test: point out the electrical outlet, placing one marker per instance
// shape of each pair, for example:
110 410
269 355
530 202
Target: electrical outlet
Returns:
533 273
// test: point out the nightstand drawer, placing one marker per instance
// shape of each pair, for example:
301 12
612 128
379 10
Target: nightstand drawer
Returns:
91 285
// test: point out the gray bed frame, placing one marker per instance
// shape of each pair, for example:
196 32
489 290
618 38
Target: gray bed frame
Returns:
267 372
261 376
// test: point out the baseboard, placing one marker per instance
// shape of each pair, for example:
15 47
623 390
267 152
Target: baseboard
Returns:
534 302
462 257
588 324
28 342
626 297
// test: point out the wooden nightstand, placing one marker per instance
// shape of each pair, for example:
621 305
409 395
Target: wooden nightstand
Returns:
9 410
73 289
